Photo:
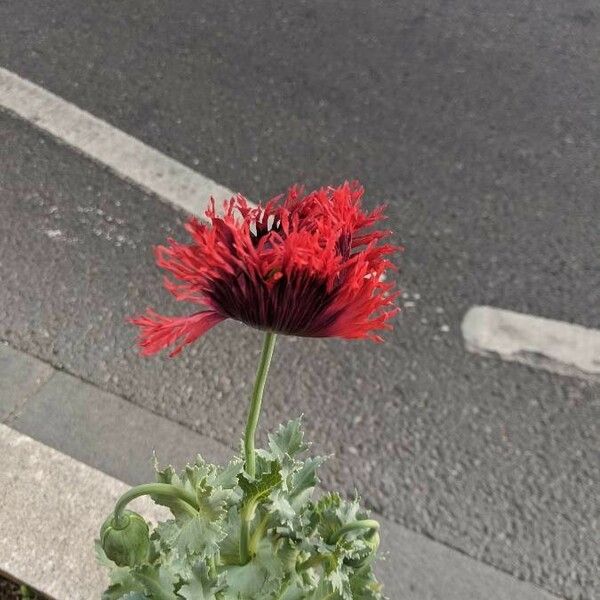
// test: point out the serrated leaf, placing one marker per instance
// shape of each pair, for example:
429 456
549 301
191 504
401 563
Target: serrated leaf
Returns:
255 490
281 507
287 553
327 516
158 581
304 481
340 583
212 501
118 591
178 507
259 578
296 592
200 536
166 534
201 586
227 477
230 546
198 471
364 586
245 581
122 582
288 440
322 591
292 529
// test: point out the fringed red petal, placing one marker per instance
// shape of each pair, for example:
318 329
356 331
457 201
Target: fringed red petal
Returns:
158 332
303 265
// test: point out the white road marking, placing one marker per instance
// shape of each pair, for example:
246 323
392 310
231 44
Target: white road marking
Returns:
556 346
123 154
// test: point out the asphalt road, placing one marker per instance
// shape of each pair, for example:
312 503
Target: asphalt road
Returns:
477 122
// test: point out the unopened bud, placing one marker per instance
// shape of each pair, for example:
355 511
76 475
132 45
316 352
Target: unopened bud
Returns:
126 540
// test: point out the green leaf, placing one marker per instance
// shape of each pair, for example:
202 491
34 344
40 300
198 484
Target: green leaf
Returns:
166 534
158 581
288 439
123 589
202 533
281 507
364 586
258 489
212 486
230 546
178 507
304 481
122 581
197 472
323 591
246 581
227 477
327 515
289 530
212 501
340 583
200 536
259 578
201 586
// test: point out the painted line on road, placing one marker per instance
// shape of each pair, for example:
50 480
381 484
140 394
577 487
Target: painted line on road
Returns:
120 152
557 346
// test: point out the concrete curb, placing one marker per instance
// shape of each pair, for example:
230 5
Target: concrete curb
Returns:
43 490
52 507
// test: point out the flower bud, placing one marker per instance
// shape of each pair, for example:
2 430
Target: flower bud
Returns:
126 541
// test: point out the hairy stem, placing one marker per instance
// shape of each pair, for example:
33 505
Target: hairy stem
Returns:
153 489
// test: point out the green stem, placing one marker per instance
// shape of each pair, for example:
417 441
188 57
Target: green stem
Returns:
245 539
212 565
256 401
249 436
259 532
154 489
311 562
362 524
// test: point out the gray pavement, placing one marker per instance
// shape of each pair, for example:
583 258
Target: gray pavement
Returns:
113 436
477 121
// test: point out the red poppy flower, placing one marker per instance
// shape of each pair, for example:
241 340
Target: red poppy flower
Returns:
303 265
